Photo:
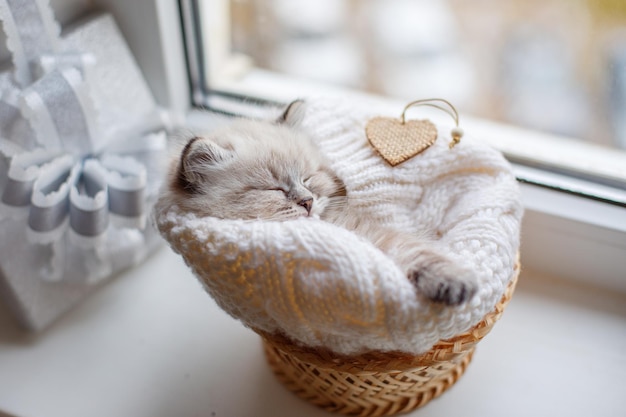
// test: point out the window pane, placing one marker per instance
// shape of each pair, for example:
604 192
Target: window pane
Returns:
553 65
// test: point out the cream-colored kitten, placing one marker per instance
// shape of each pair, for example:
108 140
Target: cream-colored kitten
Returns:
273 171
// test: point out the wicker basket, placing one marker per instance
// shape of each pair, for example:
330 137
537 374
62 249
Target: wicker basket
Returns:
376 383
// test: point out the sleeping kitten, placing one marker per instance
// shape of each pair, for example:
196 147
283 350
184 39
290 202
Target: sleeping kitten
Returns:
273 171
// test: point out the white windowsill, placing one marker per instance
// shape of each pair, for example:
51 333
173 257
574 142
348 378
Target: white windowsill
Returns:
153 344
523 143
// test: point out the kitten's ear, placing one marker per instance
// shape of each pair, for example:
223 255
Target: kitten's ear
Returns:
199 156
293 113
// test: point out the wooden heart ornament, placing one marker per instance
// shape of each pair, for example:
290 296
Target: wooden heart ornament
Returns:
397 140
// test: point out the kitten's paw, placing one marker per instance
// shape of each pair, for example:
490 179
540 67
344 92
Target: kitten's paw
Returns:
452 287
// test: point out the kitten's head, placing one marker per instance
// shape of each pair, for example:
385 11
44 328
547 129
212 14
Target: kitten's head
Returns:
257 170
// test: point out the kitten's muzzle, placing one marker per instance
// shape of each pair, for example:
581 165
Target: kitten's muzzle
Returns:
307 203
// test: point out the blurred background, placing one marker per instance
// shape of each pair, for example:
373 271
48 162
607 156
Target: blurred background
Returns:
557 66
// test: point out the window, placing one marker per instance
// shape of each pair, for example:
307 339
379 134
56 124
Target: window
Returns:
556 67
543 81
552 65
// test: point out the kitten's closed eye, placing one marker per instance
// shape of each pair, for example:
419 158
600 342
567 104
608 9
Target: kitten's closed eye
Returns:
280 190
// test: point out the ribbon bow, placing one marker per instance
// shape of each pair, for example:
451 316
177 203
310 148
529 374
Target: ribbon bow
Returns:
64 172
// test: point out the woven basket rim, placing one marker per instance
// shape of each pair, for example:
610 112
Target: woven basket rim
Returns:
384 361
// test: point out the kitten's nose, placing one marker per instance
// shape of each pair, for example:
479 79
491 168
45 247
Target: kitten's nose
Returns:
307 203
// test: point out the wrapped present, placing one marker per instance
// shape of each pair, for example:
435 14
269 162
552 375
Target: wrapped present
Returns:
81 142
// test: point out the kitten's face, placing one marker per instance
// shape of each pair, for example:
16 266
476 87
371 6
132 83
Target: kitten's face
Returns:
256 170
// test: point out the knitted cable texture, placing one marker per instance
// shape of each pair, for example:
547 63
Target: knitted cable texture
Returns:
322 285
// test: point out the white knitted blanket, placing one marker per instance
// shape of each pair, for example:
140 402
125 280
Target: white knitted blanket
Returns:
324 286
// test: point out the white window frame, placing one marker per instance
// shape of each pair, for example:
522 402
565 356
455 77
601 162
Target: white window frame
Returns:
572 229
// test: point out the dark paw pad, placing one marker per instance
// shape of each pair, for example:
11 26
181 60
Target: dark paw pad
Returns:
446 290
452 293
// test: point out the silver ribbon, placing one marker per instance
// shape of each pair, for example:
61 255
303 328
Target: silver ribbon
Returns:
23 171
61 112
31 32
50 195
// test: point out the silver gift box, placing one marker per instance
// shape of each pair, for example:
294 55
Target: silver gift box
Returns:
123 103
